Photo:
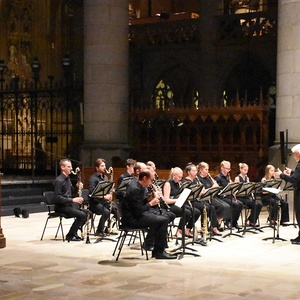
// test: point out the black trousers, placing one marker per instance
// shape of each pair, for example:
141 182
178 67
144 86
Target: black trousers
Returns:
273 200
297 207
255 207
73 212
237 207
210 210
188 215
158 225
102 209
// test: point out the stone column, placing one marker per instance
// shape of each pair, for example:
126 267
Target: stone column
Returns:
105 80
288 73
288 70
2 237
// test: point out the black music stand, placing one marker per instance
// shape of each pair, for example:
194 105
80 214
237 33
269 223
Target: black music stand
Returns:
121 189
275 191
181 203
209 195
288 186
160 182
229 191
103 188
245 190
272 183
184 185
194 195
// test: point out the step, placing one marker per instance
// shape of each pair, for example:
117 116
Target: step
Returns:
22 200
31 208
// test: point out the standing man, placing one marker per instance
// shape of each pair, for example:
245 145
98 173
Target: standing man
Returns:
223 178
293 176
64 202
137 213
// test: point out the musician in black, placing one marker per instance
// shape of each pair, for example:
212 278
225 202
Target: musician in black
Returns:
223 179
249 202
130 163
137 213
100 206
192 172
273 200
293 176
170 189
65 202
222 208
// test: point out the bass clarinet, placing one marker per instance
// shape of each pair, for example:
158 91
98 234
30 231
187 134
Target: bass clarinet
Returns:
78 174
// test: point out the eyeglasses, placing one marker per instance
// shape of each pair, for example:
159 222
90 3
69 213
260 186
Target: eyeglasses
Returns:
227 168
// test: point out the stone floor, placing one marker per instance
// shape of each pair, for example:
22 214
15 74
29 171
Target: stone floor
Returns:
236 268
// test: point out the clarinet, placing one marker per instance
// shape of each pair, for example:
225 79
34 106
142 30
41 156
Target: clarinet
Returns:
162 201
78 174
110 172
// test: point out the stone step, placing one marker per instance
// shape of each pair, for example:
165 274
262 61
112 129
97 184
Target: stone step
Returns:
31 208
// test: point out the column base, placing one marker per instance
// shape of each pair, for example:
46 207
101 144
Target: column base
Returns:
114 154
2 239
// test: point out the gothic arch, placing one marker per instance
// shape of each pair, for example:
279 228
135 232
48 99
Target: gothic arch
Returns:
246 76
179 78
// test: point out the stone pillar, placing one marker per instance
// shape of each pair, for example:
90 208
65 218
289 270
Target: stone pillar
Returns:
105 80
288 76
2 238
288 70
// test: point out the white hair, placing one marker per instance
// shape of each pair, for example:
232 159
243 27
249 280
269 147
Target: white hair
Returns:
296 148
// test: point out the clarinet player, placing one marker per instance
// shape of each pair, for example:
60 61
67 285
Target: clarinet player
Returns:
293 176
223 178
65 203
100 206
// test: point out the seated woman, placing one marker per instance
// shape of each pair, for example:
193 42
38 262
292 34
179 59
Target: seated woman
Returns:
250 203
191 171
273 200
170 189
222 208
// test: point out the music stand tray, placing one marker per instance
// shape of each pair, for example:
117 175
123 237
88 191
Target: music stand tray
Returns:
184 185
103 188
123 185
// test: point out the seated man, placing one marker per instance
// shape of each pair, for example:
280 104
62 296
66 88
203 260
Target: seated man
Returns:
64 201
137 213
100 206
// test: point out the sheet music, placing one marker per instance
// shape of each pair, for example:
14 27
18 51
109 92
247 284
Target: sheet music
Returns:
182 198
272 190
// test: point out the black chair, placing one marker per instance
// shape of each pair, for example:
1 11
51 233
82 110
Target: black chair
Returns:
48 196
125 232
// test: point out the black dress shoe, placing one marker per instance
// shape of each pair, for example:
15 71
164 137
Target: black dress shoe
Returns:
78 237
296 241
237 226
73 239
201 242
99 233
147 247
164 255
228 224
216 234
